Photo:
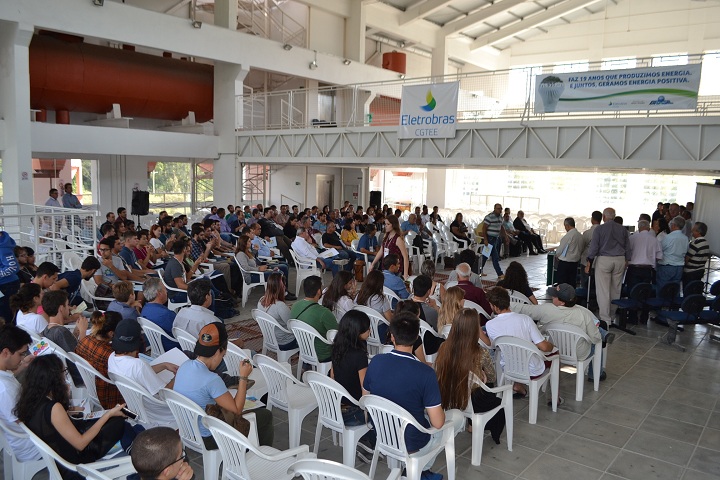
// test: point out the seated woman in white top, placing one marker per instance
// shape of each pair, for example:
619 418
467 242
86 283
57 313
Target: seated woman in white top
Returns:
26 302
339 295
371 295
246 258
273 303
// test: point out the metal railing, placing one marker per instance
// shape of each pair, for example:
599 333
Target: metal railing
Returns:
61 230
504 95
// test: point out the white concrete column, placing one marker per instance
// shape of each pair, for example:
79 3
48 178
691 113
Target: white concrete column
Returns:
17 174
439 62
436 178
312 108
227 174
355 32
226 12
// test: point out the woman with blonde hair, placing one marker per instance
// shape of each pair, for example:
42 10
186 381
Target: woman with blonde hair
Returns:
460 355
452 303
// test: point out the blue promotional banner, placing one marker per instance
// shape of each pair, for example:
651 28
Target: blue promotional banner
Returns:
429 110
656 88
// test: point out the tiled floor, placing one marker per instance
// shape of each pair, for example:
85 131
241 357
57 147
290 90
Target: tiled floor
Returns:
657 416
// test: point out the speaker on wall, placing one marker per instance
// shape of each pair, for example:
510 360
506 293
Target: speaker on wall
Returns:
140 203
376 198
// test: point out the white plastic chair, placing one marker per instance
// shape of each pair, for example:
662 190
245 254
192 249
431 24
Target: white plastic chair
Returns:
451 283
233 357
391 296
315 469
87 289
185 339
121 466
174 306
480 419
90 377
516 354
359 254
374 342
12 467
304 268
187 415
154 334
427 328
247 287
478 308
566 338
244 460
91 473
517 297
71 261
268 324
288 394
442 249
390 422
137 399
445 331
306 337
329 395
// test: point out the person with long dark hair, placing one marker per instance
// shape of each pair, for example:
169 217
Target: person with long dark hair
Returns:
371 294
43 406
273 303
340 294
459 356
394 243
349 364
516 279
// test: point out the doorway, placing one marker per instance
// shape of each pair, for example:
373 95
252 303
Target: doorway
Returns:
325 190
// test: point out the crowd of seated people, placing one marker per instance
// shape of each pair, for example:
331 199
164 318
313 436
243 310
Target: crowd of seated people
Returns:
430 390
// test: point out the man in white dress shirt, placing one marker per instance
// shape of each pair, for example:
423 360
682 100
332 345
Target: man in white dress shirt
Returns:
303 248
52 200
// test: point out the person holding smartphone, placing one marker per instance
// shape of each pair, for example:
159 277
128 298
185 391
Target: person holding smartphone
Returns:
44 406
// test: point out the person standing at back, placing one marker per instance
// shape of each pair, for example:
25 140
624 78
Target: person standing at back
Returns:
609 251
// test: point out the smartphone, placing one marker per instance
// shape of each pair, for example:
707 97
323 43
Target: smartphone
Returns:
128 413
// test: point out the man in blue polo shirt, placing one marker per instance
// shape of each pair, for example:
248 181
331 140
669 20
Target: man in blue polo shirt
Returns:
368 242
401 378
393 281
71 280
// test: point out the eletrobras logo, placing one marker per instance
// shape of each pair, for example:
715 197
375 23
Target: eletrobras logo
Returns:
428 119
431 103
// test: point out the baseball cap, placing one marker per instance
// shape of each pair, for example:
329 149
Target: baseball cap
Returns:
211 337
128 336
563 292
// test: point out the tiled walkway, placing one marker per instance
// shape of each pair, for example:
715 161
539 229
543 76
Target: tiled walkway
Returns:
657 416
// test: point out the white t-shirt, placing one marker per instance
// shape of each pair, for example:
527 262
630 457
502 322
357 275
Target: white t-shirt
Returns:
142 373
23 448
343 305
32 322
520 326
157 244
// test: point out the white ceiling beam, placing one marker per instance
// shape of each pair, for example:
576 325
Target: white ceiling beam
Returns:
474 18
418 12
340 8
386 19
531 22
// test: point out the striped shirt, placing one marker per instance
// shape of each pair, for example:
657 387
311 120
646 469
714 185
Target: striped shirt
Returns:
493 223
697 255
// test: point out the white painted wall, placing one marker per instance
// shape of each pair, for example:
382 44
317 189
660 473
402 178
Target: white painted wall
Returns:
283 179
326 33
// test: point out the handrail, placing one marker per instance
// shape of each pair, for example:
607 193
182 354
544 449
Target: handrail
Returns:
502 95
292 201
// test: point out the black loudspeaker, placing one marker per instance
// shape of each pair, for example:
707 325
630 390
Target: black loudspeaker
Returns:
140 203
376 199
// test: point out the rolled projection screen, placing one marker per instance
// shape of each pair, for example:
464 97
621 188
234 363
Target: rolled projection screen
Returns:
707 203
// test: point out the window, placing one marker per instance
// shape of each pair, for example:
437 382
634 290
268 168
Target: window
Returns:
520 82
618 63
669 60
581 66
710 79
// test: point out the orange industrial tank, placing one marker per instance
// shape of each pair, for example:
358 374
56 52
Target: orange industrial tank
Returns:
79 77
395 61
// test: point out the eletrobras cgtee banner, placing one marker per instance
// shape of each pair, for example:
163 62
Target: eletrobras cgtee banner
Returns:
653 88
429 110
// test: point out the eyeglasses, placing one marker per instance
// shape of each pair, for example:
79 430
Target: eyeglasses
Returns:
103 249
182 458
